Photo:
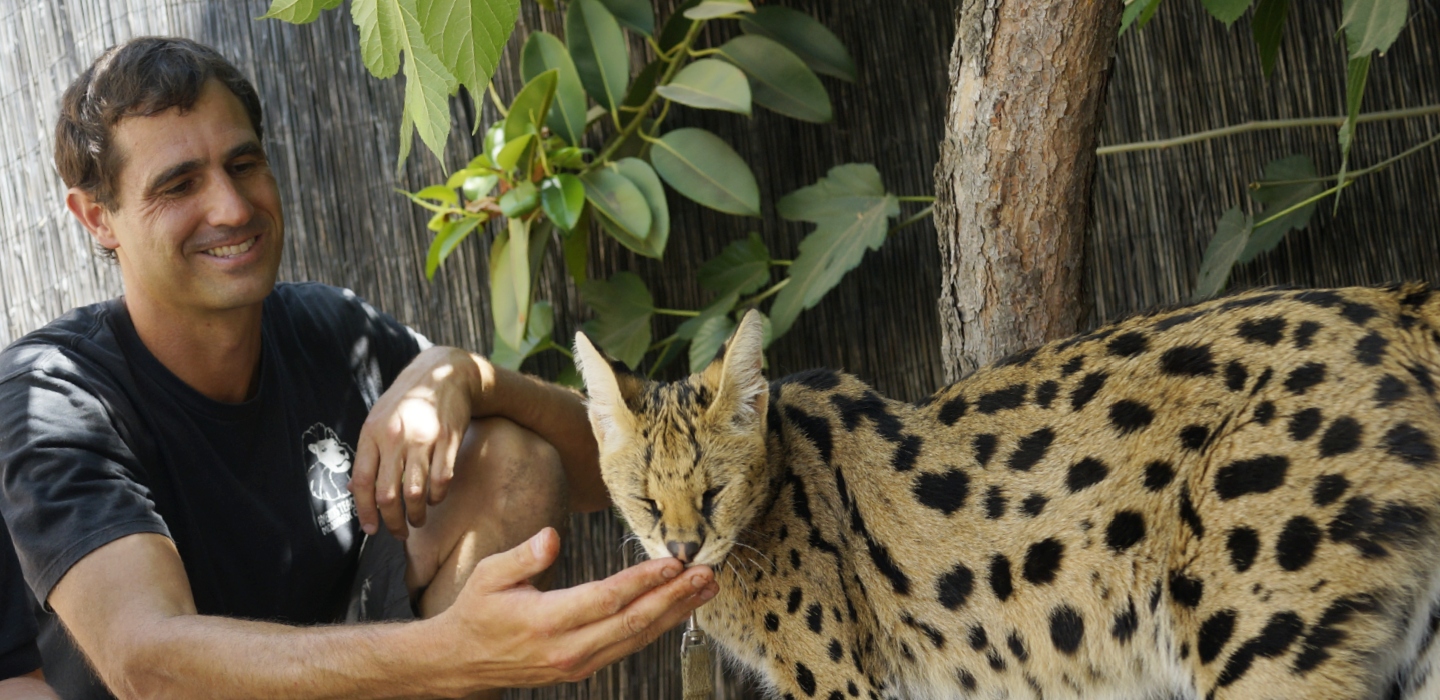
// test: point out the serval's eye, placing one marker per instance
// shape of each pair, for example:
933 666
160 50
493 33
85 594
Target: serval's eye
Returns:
707 501
653 506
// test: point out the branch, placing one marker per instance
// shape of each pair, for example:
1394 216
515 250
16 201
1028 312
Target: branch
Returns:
1262 126
1354 173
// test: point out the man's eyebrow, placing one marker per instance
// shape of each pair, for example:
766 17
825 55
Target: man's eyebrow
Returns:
249 148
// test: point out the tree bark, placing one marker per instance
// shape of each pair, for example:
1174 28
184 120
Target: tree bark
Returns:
1013 181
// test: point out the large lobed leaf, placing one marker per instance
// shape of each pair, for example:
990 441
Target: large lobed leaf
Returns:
741 268
1372 25
1231 235
468 36
389 28
1269 21
1278 198
298 11
851 209
1226 11
623 308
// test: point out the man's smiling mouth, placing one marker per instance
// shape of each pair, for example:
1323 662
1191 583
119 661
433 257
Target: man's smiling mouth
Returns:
231 251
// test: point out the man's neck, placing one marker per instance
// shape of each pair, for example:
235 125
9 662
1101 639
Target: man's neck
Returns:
216 353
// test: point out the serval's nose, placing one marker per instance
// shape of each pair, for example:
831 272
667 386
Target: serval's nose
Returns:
684 551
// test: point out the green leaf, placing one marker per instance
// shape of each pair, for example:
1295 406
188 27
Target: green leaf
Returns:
622 207
439 193
511 155
380 27
1230 238
1372 25
699 165
815 44
743 267
1355 74
676 26
520 200
598 48
851 210
644 83
298 11
709 84
388 28
643 176
494 142
635 14
1278 198
780 80
1138 13
542 52
537 338
1226 11
709 338
710 9
623 308
1269 23
569 157
450 235
479 186
510 282
576 248
530 106
563 197
468 36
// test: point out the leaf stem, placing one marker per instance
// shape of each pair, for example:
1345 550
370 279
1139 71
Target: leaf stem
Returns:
752 301
672 65
781 263
919 216
678 312
1301 205
1354 173
1262 125
916 198
701 53
494 97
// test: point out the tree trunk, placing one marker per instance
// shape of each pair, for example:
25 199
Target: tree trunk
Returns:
1013 181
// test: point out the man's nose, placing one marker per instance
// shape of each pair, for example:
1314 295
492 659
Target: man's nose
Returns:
684 551
228 205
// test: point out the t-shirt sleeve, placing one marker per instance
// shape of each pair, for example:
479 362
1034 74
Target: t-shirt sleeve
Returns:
19 653
377 345
68 481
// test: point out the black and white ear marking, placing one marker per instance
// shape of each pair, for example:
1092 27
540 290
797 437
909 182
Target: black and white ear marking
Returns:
610 418
743 389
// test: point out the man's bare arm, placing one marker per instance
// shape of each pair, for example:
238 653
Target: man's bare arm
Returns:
30 686
128 605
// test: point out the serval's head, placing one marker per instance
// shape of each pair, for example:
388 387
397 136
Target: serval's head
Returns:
684 461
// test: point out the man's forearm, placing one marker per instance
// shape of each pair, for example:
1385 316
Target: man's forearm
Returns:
29 687
554 413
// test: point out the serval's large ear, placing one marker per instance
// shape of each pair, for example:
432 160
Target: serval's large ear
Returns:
610 418
743 392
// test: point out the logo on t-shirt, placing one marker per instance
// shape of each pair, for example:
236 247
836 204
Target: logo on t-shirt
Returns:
329 476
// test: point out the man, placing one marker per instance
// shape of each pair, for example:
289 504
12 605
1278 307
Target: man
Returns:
20 674
173 461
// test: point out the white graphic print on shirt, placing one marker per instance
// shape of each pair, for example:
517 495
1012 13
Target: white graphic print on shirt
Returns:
329 476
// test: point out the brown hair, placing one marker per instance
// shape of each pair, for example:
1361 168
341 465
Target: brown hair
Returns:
139 78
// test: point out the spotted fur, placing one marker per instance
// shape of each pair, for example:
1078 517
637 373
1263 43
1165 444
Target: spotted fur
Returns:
1237 499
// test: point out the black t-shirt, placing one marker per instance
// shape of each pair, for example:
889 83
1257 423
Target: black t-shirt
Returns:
98 440
19 654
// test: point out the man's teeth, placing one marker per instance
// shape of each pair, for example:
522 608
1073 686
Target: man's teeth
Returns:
231 251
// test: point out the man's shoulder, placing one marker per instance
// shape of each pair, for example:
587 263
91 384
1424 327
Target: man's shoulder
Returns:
84 335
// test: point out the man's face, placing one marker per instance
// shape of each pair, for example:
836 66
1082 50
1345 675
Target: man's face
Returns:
198 226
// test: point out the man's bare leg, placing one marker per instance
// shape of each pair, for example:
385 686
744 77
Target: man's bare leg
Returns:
508 485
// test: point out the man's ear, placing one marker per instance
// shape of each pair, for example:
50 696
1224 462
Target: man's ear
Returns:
610 418
743 392
93 216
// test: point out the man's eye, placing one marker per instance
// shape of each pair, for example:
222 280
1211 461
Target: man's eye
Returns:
244 167
179 189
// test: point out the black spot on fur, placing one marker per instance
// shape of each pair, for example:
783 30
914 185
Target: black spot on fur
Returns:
1329 488
1031 449
1277 636
1304 424
794 559
1261 474
1188 514
1370 350
1314 650
954 587
984 445
1188 361
1017 647
1158 475
1125 530
1235 375
1018 359
994 503
1127 344
978 639
836 651
1033 505
1126 622
953 410
1000 577
937 639
1262 380
1369 530
1086 473
1186 589
1302 378
1072 365
1045 393
805 679
1389 390
1215 634
1264 413
1295 548
815 617
944 492
816 429
1176 320
1268 330
1422 375
906 452
1305 334
1342 437
1322 298
772 621
1410 444
997 662
793 603
887 567
1042 561
1416 298
1010 397
1358 313
967 680
1129 416
1090 385
817 379
1067 629
1192 437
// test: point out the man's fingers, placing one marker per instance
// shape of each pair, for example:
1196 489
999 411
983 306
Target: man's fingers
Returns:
362 485
387 492
498 572
442 465
652 613
597 600
415 482
641 639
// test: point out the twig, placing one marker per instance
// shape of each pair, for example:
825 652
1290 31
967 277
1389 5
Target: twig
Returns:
919 215
1264 125
1354 173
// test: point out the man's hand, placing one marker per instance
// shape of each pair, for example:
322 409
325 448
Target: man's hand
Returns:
406 456
516 636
